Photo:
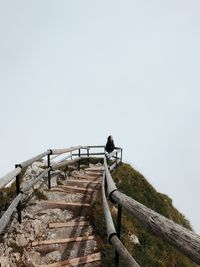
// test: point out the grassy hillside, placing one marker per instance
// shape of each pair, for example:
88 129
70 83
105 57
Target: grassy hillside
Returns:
152 251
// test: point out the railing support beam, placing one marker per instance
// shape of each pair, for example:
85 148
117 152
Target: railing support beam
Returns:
119 219
17 192
49 166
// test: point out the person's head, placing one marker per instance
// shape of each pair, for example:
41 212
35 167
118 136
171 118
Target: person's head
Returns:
110 138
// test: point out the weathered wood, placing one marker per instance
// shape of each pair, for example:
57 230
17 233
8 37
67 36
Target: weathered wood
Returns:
107 214
111 187
186 241
65 150
29 184
89 177
8 213
64 240
68 224
64 163
78 189
38 157
83 181
9 176
66 204
76 261
111 232
71 191
123 252
94 169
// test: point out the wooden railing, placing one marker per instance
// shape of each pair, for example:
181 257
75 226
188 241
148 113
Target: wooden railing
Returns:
183 239
186 241
19 168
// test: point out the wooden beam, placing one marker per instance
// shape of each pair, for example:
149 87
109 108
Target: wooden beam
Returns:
68 224
78 189
85 181
88 177
65 150
9 176
66 204
64 240
76 261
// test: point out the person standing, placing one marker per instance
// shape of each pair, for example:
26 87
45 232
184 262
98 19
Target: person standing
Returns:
110 146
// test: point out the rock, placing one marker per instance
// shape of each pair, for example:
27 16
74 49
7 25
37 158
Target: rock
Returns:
134 239
4 261
53 256
17 256
21 241
32 258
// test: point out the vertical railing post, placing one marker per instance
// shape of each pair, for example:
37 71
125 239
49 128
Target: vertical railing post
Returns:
119 218
121 155
88 155
116 160
17 192
79 154
49 166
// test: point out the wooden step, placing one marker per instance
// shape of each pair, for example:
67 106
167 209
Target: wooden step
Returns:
83 181
65 204
68 224
72 191
64 240
97 170
88 177
78 189
76 261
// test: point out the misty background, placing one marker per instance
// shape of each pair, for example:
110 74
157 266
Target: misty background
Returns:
74 72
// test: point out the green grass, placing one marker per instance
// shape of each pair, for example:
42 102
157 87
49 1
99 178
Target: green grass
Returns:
152 251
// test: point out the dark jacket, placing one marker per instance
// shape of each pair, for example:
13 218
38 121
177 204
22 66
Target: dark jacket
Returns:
110 146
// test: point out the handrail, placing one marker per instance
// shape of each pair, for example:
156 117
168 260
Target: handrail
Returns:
30 161
4 220
8 213
111 232
64 150
64 163
185 240
111 187
9 177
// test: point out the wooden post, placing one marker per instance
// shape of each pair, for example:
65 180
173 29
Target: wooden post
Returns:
79 154
119 218
49 166
17 192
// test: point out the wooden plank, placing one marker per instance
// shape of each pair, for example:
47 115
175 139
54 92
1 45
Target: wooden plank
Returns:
8 213
76 261
64 240
81 181
87 177
65 150
64 163
185 240
66 204
9 176
72 191
68 224
38 157
79 189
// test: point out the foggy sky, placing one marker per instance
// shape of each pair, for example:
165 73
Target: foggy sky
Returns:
73 72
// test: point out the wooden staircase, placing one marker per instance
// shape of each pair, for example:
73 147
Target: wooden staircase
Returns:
74 239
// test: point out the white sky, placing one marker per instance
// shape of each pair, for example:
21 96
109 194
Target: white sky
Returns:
73 72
